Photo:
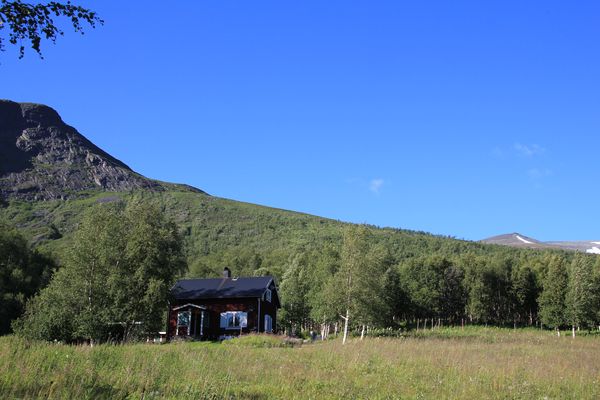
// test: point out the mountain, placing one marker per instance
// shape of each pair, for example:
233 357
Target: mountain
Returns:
42 158
515 240
50 174
522 241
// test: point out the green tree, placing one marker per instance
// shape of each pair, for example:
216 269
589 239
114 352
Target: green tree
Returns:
294 288
552 298
22 273
396 302
525 290
490 290
31 23
597 290
345 288
151 261
435 287
323 293
581 294
115 279
453 295
370 298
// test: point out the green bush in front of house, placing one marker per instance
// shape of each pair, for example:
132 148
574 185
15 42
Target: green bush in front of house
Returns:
262 341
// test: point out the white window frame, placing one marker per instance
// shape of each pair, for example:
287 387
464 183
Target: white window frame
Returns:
189 321
268 323
268 295
239 318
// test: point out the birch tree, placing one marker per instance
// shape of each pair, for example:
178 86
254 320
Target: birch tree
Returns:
151 259
396 302
552 299
525 291
115 279
294 288
324 296
353 260
580 297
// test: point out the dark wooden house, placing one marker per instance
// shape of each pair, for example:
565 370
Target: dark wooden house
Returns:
221 307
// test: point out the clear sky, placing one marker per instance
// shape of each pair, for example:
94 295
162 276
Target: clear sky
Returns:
467 119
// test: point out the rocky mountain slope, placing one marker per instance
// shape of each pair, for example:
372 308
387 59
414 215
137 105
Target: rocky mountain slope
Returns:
42 158
518 240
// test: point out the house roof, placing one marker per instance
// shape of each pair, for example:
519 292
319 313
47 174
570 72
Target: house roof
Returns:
222 288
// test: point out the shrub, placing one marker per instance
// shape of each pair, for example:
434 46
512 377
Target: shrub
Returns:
262 341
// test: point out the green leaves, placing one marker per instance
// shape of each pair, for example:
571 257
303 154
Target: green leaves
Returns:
581 296
435 287
295 287
22 273
552 299
116 278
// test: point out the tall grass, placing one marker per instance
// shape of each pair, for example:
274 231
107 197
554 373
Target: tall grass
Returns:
494 363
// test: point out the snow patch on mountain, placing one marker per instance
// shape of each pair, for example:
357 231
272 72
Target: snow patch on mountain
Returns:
524 240
593 250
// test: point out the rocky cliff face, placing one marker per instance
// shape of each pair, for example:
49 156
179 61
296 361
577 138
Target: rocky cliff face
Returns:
42 158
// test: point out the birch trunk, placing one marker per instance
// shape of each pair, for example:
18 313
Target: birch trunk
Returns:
346 318
362 333
573 330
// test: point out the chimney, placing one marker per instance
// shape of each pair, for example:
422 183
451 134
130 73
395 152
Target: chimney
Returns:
226 273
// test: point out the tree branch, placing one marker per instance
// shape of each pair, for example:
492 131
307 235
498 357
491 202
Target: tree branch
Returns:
33 22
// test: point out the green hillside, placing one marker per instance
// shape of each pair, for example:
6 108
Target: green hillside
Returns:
250 238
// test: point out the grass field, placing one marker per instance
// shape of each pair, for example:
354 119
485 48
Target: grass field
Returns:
444 364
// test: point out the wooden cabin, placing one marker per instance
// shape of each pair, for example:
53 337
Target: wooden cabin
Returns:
218 308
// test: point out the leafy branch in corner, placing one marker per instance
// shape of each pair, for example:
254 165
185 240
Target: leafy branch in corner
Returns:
33 22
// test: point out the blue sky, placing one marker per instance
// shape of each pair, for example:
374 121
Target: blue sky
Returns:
467 119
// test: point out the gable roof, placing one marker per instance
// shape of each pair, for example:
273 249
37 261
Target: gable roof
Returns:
223 288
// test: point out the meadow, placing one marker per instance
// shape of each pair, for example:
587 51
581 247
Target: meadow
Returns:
445 364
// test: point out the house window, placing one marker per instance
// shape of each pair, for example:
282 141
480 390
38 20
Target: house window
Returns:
268 323
234 319
183 321
268 295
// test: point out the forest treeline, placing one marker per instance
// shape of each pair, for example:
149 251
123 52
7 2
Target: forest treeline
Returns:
111 274
363 283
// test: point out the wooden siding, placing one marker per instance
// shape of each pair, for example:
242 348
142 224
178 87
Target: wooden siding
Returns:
213 309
